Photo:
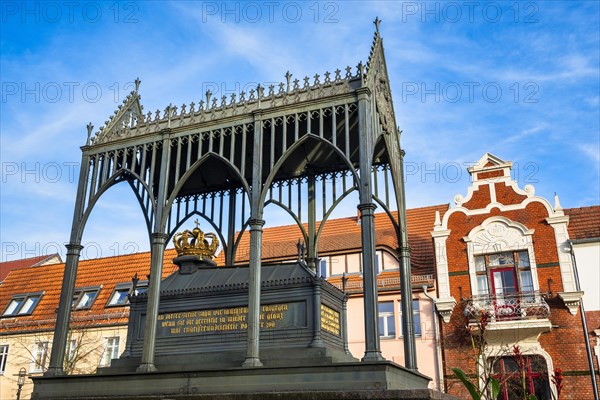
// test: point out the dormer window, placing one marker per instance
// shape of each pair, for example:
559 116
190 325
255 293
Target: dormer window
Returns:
22 304
120 297
84 298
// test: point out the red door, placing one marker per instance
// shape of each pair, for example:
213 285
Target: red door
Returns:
504 289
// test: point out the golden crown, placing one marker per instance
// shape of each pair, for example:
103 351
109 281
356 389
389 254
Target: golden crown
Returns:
195 243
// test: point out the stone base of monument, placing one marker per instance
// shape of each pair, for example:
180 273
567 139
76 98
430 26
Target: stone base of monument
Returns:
356 380
201 337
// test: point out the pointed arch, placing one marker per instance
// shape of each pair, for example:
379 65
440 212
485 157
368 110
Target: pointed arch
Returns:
170 234
291 213
331 209
294 148
193 168
123 175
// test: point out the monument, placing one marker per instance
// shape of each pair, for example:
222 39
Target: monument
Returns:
253 330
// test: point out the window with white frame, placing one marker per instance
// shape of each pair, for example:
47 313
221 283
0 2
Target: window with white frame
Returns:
22 304
501 259
72 353
111 350
3 358
324 267
40 357
387 322
378 262
503 273
416 314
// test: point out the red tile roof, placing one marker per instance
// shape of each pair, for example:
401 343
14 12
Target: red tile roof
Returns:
343 236
279 243
7 266
584 222
107 272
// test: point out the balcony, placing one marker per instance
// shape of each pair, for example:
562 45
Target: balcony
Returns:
515 306
514 317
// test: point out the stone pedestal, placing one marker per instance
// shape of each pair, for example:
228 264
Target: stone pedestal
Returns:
357 380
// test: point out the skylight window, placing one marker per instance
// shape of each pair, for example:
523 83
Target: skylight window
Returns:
22 304
120 296
84 298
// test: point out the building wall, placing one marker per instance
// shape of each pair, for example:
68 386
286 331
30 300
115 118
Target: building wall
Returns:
497 216
392 348
21 350
587 256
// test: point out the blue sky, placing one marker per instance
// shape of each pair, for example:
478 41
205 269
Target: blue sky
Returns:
520 80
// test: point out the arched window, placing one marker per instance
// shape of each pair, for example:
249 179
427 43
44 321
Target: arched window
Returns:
526 373
501 258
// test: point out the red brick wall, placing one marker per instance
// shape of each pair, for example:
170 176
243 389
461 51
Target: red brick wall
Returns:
565 343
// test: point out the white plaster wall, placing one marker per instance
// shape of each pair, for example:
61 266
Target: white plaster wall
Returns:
393 349
587 257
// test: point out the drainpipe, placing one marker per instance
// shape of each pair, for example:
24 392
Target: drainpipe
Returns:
584 323
438 351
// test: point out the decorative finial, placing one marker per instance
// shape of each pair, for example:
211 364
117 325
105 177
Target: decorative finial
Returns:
197 223
377 22
195 243
208 95
438 220
137 84
557 206
89 133
288 78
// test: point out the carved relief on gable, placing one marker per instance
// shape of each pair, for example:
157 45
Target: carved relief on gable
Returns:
498 236
383 103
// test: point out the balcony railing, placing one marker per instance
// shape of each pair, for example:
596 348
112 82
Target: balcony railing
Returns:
515 306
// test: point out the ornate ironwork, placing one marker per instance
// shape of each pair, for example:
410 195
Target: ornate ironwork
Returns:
516 306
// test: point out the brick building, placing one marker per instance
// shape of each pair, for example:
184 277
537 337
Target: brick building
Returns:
504 253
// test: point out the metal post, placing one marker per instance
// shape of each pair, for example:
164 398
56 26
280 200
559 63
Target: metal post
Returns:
367 228
59 341
61 330
311 257
230 256
157 248
372 345
156 264
254 282
256 225
410 347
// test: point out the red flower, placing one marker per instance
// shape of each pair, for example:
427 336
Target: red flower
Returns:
557 379
520 360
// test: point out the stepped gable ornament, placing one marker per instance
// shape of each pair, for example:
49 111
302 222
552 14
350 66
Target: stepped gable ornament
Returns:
195 243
